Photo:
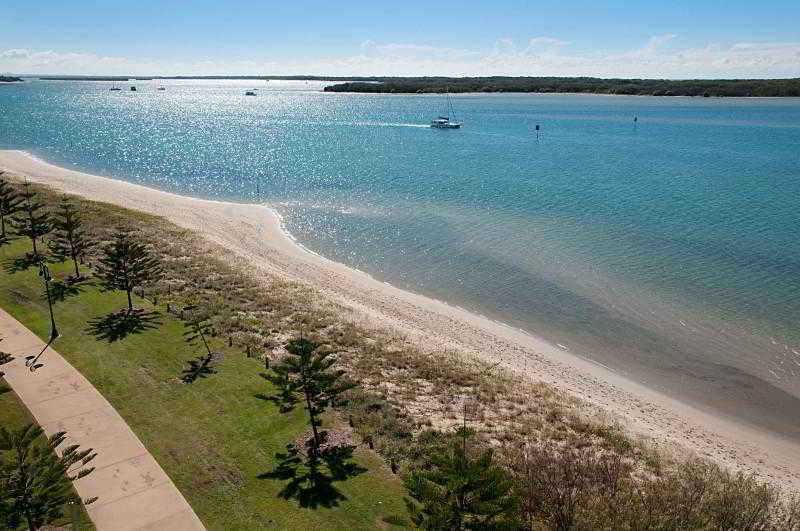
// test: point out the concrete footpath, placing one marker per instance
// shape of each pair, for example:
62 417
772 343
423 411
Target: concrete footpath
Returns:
133 491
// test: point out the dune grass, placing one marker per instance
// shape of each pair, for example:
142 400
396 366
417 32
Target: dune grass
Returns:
219 440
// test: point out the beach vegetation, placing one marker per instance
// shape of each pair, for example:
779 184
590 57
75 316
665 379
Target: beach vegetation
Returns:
69 241
578 488
127 264
35 479
460 488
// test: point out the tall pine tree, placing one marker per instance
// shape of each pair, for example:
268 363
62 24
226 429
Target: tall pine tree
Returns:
31 220
306 371
9 203
127 264
462 489
70 241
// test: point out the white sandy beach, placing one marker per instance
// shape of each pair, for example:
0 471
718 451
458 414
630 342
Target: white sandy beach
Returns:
254 233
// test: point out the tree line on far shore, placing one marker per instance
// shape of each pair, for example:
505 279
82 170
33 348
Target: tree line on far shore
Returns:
592 85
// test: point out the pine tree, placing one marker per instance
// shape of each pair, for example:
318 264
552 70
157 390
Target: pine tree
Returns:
127 264
198 324
9 203
31 221
71 241
35 482
306 371
462 489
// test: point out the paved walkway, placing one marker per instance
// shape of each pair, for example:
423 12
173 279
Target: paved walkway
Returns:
133 491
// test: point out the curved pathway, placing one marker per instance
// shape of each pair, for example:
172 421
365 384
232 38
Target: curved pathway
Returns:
133 491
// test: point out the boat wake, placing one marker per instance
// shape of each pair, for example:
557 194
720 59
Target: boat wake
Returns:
388 124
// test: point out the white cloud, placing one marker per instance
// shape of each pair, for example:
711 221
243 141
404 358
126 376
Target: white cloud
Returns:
15 52
403 50
656 43
546 42
659 57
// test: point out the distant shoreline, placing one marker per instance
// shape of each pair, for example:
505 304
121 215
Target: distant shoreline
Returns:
580 85
722 88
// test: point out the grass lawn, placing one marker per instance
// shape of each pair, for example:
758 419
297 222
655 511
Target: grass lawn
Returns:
216 439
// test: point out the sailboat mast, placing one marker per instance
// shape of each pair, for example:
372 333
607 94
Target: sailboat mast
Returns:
450 111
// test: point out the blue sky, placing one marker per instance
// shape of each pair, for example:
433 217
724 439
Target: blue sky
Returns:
646 38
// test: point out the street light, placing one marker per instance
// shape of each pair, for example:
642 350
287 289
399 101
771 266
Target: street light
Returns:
44 274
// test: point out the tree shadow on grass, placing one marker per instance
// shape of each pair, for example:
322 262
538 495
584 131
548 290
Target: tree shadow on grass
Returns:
61 289
283 397
22 263
201 367
5 357
119 325
311 480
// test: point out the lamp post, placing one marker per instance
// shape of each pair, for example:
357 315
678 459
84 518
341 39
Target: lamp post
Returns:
44 274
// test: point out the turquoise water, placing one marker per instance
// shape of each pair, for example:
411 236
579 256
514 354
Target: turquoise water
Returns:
668 250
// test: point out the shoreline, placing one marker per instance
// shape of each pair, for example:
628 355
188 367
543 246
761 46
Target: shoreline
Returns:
256 233
435 94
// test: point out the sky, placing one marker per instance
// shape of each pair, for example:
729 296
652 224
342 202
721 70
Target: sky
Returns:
636 38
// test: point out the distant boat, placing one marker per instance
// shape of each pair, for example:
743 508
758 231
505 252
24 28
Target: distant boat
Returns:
133 88
115 88
161 88
443 122
249 93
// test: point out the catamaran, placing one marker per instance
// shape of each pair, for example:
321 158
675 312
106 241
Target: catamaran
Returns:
443 122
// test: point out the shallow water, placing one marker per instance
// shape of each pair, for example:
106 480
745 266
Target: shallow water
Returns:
667 249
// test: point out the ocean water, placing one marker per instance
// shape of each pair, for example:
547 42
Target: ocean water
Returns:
667 249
